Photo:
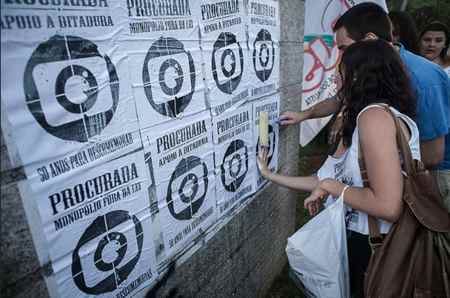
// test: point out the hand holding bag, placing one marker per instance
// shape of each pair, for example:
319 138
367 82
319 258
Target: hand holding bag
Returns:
413 260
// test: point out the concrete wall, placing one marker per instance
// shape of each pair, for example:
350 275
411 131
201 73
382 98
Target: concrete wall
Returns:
241 260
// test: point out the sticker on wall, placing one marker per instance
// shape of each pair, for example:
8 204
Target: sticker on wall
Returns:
271 105
183 167
225 53
65 87
264 36
234 157
165 60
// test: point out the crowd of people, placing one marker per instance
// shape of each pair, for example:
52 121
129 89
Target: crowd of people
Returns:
384 63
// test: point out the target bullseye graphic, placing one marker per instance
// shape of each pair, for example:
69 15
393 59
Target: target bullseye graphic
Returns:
187 188
61 85
117 239
227 62
263 55
171 65
229 67
83 81
169 76
234 166
114 241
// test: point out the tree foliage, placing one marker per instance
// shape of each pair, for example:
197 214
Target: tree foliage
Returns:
424 11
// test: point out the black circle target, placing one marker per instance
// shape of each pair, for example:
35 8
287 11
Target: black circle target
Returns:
114 272
72 50
171 64
89 86
234 165
263 55
189 183
228 53
227 77
192 189
166 48
266 53
236 160
118 240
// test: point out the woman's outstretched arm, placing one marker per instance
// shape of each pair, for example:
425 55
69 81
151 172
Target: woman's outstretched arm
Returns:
297 183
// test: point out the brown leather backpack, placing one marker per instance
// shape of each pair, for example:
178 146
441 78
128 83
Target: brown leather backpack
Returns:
413 259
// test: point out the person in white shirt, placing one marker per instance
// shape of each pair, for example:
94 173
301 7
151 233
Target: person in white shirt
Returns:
372 75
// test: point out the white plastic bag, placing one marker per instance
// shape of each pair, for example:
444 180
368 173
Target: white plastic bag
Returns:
317 254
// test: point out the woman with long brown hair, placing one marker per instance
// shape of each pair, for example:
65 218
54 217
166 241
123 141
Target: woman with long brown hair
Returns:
372 76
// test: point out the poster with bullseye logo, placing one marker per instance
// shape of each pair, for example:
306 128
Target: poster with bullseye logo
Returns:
234 157
65 86
271 105
163 43
225 53
264 35
98 229
183 169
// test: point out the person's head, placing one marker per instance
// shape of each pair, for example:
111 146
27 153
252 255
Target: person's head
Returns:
364 20
372 72
404 30
434 41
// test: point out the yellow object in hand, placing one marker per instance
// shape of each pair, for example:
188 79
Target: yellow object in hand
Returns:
264 129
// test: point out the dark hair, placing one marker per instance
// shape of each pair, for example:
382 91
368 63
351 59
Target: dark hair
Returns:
404 26
438 26
364 18
372 72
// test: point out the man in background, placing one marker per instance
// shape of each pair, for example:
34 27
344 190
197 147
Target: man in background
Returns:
431 85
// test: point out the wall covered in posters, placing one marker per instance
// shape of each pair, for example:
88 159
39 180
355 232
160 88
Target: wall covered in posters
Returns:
137 126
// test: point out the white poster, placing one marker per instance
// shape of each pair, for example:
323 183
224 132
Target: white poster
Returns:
68 99
97 225
225 53
234 157
181 154
264 36
65 85
321 57
163 43
271 105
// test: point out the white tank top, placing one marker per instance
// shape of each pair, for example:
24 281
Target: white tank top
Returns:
346 170
447 71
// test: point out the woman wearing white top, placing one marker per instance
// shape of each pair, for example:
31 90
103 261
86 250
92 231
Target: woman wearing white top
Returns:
371 73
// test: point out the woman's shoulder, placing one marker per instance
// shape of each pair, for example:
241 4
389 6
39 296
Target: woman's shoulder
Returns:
373 114
375 125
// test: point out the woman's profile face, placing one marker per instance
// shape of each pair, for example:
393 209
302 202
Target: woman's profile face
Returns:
432 43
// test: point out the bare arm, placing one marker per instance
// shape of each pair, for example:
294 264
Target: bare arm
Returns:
383 198
324 108
432 152
297 183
